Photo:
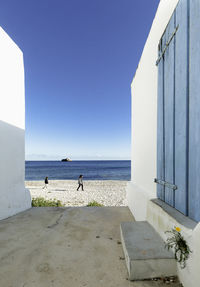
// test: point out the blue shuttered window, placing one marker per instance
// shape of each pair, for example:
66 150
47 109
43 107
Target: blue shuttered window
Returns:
178 146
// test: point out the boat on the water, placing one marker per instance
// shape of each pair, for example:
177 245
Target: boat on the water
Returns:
66 159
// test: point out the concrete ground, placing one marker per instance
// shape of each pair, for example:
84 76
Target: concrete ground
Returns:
65 247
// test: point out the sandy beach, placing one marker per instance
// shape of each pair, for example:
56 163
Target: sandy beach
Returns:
107 192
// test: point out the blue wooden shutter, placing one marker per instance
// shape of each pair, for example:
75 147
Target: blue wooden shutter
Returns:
172 150
178 150
181 107
194 111
160 126
165 134
169 111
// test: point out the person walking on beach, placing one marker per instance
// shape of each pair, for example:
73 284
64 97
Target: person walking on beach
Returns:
80 182
46 182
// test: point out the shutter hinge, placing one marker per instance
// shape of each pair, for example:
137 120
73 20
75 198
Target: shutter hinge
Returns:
166 45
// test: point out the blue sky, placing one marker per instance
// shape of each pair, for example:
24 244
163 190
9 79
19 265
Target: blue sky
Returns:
80 57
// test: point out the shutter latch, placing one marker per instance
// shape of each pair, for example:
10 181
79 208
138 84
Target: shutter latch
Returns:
166 184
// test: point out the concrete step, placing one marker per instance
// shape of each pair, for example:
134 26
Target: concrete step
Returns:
145 252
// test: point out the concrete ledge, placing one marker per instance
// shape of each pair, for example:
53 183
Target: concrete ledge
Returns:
145 252
174 213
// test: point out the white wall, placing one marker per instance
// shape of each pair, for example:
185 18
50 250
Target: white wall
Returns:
144 115
162 221
144 140
13 195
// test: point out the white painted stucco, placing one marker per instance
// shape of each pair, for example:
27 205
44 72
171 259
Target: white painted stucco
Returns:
162 221
144 147
144 112
13 195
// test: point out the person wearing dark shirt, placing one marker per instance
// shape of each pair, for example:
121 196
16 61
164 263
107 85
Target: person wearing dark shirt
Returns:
80 182
46 182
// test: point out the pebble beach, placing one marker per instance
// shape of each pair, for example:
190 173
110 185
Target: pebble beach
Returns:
106 192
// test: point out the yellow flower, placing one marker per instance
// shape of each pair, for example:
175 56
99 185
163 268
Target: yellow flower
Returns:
178 229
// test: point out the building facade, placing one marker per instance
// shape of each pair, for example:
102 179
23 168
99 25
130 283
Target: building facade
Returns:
14 197
166 129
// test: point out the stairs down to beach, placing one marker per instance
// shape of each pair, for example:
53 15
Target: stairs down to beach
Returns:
145 253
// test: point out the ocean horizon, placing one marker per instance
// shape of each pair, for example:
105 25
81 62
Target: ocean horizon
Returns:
91 170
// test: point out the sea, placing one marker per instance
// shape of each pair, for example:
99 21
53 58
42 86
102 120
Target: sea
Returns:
91 170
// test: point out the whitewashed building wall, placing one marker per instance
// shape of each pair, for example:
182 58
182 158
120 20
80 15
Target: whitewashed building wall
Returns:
142 188
13 195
